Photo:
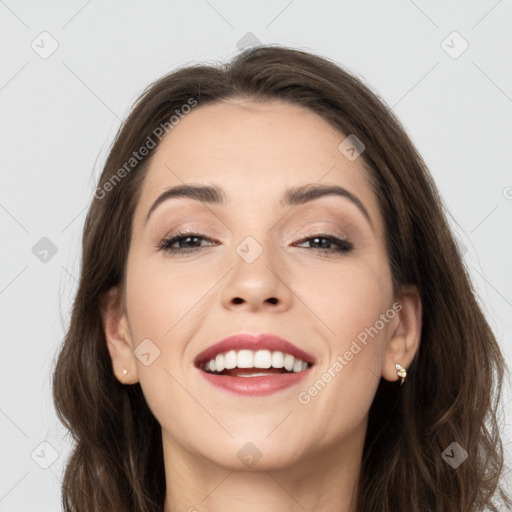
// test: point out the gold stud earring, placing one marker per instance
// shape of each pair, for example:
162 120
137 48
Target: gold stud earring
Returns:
401 372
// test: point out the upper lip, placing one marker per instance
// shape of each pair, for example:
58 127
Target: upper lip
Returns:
253 342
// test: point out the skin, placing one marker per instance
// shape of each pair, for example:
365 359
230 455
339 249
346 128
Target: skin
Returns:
310 453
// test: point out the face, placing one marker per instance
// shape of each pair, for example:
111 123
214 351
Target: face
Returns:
314 272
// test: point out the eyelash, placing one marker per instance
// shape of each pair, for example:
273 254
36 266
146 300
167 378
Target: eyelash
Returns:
344 246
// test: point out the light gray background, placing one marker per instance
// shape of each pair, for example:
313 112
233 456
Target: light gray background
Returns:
59 116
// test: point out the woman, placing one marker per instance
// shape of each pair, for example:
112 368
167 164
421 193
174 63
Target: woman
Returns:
272 312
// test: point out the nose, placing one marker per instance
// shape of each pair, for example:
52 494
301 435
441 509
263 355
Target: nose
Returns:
258 284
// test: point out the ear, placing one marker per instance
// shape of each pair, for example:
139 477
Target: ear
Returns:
405 336
118 337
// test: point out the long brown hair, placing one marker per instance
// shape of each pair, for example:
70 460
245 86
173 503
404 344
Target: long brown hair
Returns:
453 386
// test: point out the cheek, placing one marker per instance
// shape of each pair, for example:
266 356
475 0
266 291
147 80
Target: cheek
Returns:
162 296
354 309
166 303
347 300
159 304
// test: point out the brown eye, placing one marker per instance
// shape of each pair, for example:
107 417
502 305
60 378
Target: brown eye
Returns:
186 243
325 243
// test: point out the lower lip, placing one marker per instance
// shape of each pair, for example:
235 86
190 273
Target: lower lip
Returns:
256 386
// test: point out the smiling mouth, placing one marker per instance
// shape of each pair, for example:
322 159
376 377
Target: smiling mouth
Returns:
249 363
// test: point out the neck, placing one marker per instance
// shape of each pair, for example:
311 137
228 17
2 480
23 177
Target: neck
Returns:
324 481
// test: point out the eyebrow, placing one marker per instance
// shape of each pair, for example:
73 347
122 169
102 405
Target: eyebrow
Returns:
294 196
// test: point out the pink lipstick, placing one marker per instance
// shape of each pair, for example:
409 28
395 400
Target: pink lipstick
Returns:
254 364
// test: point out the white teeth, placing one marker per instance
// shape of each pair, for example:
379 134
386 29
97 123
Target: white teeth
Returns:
289 361
277 360
255 359
245 359
219 363
230 360
262 359
297 366
254 375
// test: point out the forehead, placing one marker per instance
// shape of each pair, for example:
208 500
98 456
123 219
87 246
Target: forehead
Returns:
254 151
